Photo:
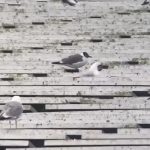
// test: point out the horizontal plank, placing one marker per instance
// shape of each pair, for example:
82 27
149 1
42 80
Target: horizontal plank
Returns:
12 57
132 131
82 119
122 46
34 44
44 133
59 51
96 142
74 107
87 148
14 143
107 58
100 7
83 100
84 103
57 70
54 134
77 90
88 81
76 27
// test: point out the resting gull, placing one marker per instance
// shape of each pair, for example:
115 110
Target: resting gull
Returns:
94 70
12 110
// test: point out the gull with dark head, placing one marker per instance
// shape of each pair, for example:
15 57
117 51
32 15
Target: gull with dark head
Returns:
12 110
74 61
70 2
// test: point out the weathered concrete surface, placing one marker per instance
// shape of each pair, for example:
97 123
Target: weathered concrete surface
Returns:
108 112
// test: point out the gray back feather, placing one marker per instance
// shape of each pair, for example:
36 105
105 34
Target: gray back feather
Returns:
72 59
13 109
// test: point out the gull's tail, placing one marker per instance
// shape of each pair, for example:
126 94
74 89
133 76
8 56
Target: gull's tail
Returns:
4 118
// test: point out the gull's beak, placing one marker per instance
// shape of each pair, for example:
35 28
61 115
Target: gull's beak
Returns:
90 56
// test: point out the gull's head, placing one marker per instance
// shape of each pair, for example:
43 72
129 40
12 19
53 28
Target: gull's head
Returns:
85 54
99 67
16 98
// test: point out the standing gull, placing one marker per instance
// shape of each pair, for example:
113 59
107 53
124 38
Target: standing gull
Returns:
12 110
145 2
70 2
74 61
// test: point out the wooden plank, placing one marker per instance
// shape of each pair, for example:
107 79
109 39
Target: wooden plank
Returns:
96 142
74 107
100 7
82 119
77 90
76 81
47 58
131 131
57 70
125 46
103 103
87 148
53 44
70 80
112 72
87 19
16 143
63 51
83 29
42 134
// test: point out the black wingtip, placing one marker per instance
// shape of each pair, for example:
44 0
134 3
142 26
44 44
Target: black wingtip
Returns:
56 62
2 118
71 4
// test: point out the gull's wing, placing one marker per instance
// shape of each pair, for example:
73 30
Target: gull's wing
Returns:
72 59
12 110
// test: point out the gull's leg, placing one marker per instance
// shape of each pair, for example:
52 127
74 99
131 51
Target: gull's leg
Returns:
16 123
10 123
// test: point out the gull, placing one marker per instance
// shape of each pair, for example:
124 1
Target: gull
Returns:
74 61
70 2
93 71
145 2
12 110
